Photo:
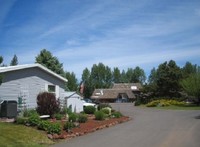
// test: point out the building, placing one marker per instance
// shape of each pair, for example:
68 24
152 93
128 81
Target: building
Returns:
120 92
23 83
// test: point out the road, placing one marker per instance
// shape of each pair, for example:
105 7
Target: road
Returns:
148 128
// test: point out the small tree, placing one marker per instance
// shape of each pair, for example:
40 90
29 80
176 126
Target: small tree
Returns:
191 85
14 61
47 104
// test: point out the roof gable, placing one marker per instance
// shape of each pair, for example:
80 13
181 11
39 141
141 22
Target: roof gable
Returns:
26 66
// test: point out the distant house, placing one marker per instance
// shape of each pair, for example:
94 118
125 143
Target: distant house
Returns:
121 92
24 82
73 101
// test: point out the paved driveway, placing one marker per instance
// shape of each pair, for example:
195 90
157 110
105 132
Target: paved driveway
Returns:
148 128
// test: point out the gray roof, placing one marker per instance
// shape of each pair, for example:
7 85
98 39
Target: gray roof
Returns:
26 66
132 86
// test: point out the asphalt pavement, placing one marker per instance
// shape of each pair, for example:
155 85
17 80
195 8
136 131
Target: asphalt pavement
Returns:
149 127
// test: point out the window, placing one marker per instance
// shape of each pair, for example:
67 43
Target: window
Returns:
52 88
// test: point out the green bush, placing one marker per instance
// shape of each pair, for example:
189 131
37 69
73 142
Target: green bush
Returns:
116 114
82 118
21 120
106 110
68 126
103 105
34 120
44 125
164 103
99 115
58 116
73 117
29 112
54 128
89 109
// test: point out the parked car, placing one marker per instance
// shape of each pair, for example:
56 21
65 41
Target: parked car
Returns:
88 100
85 103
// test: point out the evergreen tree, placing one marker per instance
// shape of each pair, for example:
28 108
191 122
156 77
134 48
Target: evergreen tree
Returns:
72 81
1 60
51 62
116 75
14 61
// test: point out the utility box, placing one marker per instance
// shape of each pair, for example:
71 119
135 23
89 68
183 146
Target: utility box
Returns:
8 109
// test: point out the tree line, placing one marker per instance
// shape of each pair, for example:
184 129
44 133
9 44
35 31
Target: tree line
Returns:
167 80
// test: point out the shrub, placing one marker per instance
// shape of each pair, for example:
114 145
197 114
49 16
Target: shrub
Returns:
58 116
29 112
106 110
82 118
117 114
54 128
21 120
68 126
73 117
47 104
103 105
44 125
99 115
89 109
34 120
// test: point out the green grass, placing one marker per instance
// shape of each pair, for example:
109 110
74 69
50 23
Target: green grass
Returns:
186 107
12 135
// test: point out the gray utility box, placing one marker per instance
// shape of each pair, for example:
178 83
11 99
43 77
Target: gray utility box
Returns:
8 109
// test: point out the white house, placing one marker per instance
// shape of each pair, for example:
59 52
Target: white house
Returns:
27 81
74 101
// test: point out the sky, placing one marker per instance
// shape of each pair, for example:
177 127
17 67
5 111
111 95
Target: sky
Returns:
117 33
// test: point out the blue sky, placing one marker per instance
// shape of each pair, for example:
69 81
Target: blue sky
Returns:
118 33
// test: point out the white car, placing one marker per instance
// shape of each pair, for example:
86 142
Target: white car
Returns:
88 104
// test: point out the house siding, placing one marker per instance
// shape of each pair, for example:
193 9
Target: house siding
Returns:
28 83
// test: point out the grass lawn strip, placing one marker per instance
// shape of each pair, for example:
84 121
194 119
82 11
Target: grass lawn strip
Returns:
19 135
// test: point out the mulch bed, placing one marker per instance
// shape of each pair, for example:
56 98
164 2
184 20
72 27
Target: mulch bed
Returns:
90 126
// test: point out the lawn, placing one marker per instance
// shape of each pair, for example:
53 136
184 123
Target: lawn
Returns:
13 135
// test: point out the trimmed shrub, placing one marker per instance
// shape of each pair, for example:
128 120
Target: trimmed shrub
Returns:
34 120
106 110
116 114
99 115
43 125
82 118
89 109
21 120
47 104
73 117
68 126
103 105
54 128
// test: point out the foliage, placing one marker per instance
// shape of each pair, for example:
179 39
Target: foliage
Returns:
106 110
89 109
116 114
47 104
44 125
116 75
1 78
54 128
82 118
192 86
99 115
51 62
34 120
58 116
68 126
29 112
14 61
21 120
72 81
103 105
73 117
164 103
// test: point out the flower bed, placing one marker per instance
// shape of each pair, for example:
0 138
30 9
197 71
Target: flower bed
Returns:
91 125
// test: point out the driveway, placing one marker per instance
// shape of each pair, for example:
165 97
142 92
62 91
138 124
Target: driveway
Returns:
148 128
